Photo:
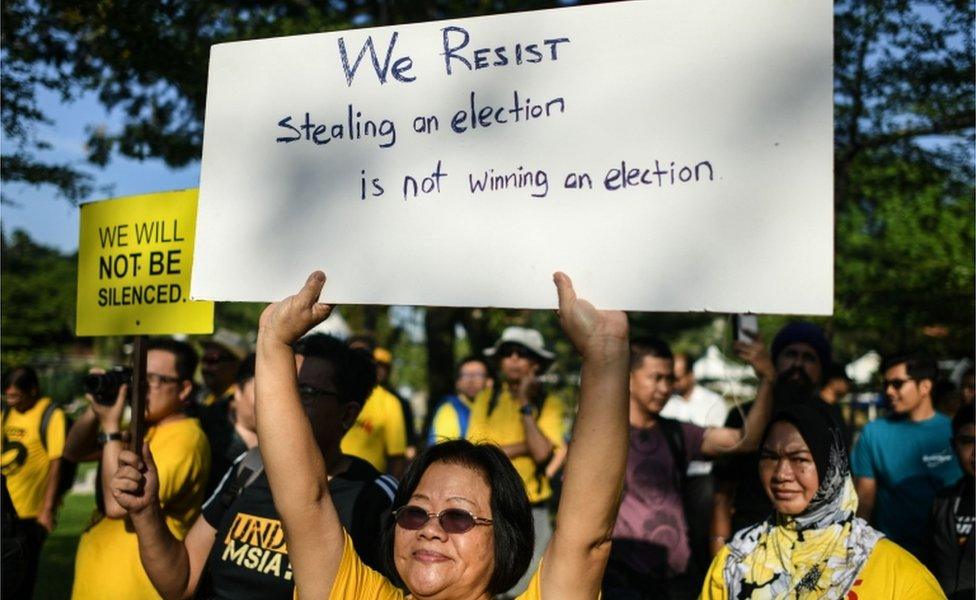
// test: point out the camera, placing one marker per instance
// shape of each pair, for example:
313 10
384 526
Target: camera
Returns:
104 387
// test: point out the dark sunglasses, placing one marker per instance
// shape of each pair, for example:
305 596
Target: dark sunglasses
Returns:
452 520
216 359
310 392
895 383
518 351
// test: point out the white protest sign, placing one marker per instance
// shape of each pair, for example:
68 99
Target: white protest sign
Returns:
668 155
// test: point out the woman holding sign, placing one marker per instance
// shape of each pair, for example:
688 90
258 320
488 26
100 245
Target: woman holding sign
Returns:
462 522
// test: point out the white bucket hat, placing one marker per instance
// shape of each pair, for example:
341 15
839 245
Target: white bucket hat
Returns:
529 338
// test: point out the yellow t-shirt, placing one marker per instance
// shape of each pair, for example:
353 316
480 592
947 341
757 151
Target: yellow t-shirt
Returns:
446 424
379 431
354 581
890 573
25 461
107 564
504 427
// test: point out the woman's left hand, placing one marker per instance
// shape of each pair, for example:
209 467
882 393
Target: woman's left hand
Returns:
593 332
293 317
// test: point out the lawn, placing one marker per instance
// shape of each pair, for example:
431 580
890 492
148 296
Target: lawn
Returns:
58 556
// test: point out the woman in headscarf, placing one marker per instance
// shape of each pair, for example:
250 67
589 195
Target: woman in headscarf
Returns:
813 545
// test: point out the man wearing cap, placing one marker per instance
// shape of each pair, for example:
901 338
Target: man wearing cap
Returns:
222 356
379 435
801 353
523 420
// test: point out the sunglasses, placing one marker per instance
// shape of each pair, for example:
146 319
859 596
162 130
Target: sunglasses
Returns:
310 392
895 383
452 520
518 351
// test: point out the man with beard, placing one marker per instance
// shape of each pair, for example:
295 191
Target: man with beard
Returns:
800 352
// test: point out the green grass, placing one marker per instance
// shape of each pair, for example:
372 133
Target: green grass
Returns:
57 567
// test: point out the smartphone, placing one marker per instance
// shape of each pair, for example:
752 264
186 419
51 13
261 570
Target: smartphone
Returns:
746 327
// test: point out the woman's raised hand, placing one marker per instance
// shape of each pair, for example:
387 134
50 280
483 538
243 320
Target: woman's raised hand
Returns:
293 317
593 332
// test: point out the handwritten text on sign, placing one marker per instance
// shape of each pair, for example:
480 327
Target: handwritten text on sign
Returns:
134 261
664 155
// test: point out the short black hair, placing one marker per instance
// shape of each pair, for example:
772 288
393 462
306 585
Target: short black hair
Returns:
355 371
23 378
690 359
640 348
918 366
471 359
966 415
511 513
245 372
362 339
186 356
835 371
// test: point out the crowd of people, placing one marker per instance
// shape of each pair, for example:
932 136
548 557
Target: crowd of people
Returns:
296 469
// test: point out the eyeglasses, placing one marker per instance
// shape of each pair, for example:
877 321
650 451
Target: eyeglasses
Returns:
157 380
895 383
452 520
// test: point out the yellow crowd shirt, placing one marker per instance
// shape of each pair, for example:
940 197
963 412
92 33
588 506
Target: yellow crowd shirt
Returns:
379 432
890 573
25 462
107 564
446 424
355 581
504 427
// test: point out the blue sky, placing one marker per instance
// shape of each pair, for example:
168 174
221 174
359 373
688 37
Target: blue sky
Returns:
54 221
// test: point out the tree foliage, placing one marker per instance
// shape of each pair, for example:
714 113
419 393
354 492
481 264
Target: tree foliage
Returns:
904 126
37 290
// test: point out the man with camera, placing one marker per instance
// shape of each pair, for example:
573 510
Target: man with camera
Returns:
107 564
236 548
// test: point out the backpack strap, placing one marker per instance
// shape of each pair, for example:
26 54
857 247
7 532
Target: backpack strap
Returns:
248 470
46 421
463 414
675 438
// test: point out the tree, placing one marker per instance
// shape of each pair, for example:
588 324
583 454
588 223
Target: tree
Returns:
904 124
38 286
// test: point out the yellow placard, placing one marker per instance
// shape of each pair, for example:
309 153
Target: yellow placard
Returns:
135 256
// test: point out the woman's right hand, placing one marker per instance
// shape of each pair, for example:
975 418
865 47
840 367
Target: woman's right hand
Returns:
293 317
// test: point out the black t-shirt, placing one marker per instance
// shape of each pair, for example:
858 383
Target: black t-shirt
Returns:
249 558
751 503
964 513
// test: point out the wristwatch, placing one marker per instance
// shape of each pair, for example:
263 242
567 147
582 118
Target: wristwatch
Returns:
104 438
527 410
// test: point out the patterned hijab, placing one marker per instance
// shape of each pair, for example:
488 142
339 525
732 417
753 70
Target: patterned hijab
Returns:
818 553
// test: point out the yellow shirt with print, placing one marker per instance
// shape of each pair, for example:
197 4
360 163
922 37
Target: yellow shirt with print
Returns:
107 564
379 431
25 460
890 573
504 427
355 581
